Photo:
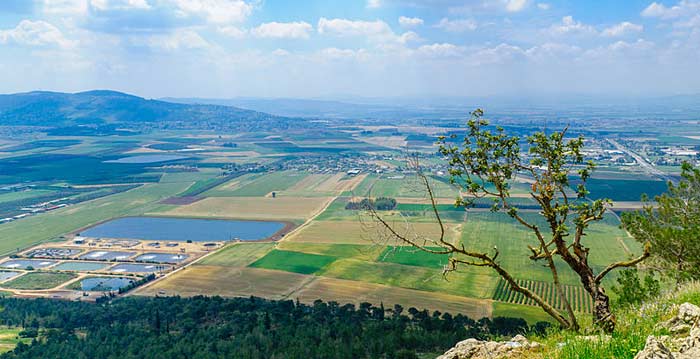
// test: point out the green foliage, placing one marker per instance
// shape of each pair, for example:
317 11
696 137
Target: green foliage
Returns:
631 290
217 328
672 227
379 204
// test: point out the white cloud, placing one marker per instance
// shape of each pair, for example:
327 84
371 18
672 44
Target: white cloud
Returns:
497 55
410 21
622 29
35 33
337 54
570 26
281 52
460 25
283 30
105 5
232 31
543 6
516 5
65 7
374 4
183 39
684 8
215 11
441 50
377 31
344 27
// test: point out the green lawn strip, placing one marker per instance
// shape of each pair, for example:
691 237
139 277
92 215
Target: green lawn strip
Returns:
296 262
39 280
237 255
469 282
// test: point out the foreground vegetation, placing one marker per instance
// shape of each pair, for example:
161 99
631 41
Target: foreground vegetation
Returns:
634 324
212 327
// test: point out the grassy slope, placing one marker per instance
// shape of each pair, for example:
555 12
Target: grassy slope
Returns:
633 326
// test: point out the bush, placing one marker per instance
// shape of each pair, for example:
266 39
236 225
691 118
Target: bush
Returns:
630 289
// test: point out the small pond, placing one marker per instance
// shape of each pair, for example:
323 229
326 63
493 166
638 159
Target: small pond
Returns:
107 255
161 258
138 268
5 275
26 263
104 284
81 266
183 229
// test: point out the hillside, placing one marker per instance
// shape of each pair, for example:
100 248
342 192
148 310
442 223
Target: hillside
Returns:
111 108
667 327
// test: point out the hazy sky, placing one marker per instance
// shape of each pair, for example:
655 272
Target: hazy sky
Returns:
370 48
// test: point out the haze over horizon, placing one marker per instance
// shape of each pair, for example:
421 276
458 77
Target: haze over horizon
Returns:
373 48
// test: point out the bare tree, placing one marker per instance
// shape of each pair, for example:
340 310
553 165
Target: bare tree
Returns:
486 164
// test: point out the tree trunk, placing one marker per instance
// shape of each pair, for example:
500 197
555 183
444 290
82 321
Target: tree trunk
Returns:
603 317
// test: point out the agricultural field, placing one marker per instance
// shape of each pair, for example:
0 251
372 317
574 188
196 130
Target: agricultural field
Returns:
227 281
39 280
333 253
367 233
576 295
295 262
237 255
268 208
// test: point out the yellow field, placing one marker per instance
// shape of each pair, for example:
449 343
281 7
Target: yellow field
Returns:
267 208
337 184
349 232
349 291
398 142
309 183
227 282
271 284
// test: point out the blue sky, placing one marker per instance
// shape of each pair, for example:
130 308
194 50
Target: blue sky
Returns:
365 48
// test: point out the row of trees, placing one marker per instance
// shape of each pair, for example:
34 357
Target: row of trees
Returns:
488 162
379 204
212 327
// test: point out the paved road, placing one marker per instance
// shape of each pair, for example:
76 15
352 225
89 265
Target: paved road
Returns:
648 167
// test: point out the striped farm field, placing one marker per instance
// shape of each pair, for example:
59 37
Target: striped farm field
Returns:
579 299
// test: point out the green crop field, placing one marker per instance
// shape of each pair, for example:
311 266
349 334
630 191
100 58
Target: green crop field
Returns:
263 185
413 257
296 262
402 186
39 280
624 189
578 298
469 282
358 251
237 255
486 230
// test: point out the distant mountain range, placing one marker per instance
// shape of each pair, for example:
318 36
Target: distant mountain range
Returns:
513 107
384 109
111 108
